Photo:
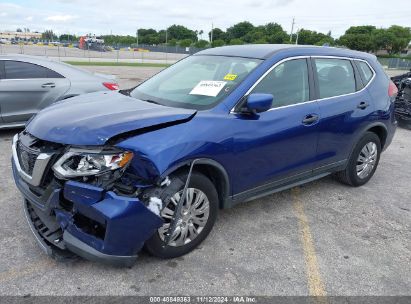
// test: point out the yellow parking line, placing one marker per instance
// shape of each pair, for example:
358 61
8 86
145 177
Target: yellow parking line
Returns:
316 286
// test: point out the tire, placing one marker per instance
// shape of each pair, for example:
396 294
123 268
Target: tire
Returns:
200 183
350 176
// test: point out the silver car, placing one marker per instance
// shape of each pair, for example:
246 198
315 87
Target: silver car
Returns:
29 84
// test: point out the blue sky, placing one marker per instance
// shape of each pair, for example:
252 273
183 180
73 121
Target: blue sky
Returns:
125 16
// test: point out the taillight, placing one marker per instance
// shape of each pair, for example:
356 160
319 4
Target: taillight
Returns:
392 89
111 85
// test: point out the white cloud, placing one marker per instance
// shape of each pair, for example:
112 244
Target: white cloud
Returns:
93 16
60 18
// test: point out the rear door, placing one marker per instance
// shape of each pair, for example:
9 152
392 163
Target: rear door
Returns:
345 108
26 88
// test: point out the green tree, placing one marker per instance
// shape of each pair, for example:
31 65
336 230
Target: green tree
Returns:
325 40
253 36
359 38
362 29
172 42
180 32
313 38
218 42
383 40
402 38
186 42
260 41
201 44
161 36
239 30
236 41
145 32
275 33
48 35
67 37
218 34
152 39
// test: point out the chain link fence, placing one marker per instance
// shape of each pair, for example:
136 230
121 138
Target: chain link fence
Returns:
141 53
117 53
396 63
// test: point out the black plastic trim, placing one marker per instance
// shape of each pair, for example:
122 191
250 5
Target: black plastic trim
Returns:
44 246
286 183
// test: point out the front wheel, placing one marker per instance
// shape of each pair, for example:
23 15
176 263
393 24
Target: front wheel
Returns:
198 215
363 161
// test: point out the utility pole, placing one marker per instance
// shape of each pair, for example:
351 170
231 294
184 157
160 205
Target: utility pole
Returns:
211 36
166 46
137 37
292 29
298 32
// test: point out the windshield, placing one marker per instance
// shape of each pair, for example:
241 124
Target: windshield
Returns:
197 82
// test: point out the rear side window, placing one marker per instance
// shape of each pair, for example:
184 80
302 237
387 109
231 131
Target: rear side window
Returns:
335 77
287 82
365 71
25 70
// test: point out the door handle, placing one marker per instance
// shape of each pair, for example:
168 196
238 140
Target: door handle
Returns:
310 119
48 85
362 105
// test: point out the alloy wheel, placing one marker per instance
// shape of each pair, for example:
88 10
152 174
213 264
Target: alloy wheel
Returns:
194 216
366 160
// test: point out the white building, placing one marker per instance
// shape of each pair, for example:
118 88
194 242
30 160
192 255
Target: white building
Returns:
19 35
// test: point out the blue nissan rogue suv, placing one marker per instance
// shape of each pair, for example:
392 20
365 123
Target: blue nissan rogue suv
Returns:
107 173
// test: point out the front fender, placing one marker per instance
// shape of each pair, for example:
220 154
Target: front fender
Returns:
159 152
153 165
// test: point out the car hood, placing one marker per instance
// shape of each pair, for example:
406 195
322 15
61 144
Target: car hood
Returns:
94 118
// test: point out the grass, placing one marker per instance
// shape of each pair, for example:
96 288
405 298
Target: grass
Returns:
110 63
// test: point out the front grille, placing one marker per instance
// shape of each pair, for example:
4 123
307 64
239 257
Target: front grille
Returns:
34 158
27 158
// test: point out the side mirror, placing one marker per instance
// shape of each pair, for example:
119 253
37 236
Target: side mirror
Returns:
258 102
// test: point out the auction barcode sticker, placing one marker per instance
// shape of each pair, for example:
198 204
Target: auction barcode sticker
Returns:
208 88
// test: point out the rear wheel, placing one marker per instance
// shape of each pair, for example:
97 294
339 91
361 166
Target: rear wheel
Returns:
363 161
197 218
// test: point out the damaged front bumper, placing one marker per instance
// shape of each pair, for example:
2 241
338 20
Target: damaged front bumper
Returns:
93 223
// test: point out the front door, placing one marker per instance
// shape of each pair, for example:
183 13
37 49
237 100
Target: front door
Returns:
26 88
282 142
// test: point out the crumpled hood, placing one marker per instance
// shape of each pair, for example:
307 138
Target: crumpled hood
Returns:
94 118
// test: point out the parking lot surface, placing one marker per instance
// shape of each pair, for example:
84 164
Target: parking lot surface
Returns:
323 238
127 77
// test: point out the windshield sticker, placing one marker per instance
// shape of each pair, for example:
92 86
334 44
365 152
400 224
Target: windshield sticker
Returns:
230 77
208 88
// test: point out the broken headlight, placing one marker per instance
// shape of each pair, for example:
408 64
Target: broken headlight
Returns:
80 162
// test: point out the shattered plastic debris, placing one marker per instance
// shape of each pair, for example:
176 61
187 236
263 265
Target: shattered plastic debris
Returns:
155 205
